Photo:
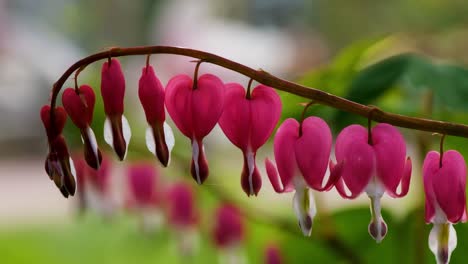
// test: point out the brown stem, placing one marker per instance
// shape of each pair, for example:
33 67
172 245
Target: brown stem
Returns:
441 150
247 94
273 81
148 61
303 115
195 75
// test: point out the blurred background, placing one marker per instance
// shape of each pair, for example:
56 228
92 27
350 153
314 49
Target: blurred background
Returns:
338 46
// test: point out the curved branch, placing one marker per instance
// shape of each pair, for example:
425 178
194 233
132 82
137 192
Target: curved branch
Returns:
275 82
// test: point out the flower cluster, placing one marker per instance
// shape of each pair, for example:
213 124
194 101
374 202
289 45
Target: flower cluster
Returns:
371 160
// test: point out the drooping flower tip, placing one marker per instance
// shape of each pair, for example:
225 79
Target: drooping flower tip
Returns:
377 229
229 226
60 168
142 183
180 202
248 123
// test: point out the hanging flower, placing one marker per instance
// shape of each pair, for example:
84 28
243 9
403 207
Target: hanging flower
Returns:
375 164
302 152
228 233
116 128
143 195
159 136
444 184
182 216
248 121
95 186
80 106
195 107
58 164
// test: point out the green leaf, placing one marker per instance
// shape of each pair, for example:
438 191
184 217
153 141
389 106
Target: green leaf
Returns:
373 81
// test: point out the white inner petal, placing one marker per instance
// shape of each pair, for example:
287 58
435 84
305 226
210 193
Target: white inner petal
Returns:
127 133
304 207
72 169
251 166
170 140
195 154
108 137
93 142
150 144
437 241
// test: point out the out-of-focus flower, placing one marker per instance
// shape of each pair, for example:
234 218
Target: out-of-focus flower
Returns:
159 136
229 233
375 164
80 106
302 153
116 128
195 107
444 184
182 216
273 255
248 120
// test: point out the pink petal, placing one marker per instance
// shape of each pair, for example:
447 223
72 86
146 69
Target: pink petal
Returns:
352 148
179 101
142 181
405 181
273 176
151 94
113 87
312 151
207 104
235 120
390 154
180 204
335 171
228 226
265 113
449 185
285 155
429 170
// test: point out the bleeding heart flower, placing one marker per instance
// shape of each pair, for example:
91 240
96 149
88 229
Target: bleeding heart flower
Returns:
95 187
58 164
229 226
248 121
302 152
444 185
375 165
228 233
182 216
116 128
80 106
159 136
195 108
142 182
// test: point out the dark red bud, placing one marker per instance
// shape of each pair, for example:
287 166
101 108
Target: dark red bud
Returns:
273 255
151 93
113 88
80 106
60 119
374 232
93 160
